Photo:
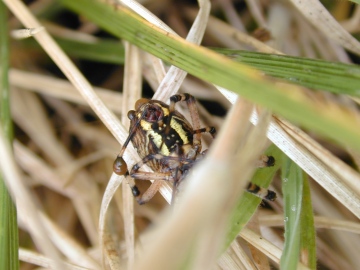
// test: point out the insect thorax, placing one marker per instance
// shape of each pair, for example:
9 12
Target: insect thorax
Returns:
160 132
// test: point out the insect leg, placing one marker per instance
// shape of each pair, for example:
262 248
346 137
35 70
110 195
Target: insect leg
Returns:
210 130
120 168
166 176
263 193
194 114
149 193
265 161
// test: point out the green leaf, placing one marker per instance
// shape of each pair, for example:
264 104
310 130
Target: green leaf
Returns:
292 186
318 74
107 51
8 219
307 228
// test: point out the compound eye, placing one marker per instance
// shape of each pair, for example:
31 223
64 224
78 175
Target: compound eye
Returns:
120 166
141 102
131 115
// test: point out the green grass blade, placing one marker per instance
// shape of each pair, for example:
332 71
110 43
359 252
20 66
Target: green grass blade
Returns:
318 74
8 218
248 203
307 228
292 186
106 51
287 101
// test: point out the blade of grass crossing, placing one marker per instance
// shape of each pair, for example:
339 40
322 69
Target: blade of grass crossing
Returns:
314 73
292 186
317 74
8 220
307 228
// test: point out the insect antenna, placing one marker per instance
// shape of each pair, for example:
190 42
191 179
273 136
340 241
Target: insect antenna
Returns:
120 166
131 132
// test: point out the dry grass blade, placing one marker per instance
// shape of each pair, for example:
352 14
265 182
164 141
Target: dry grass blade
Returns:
344 172
74 252
38 169
175 76
230 36
70 71
320 222
43 261
45 139
352 25
316 13
235 258
260 260
25 33
146 14
25 202
106 241
266 247
131 93
61 89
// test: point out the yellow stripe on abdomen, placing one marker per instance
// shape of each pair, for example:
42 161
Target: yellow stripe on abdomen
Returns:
179 130
158 141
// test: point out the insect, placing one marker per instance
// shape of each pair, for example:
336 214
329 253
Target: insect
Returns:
169 144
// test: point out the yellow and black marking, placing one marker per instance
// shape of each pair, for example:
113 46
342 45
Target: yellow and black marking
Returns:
169 145
163 139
